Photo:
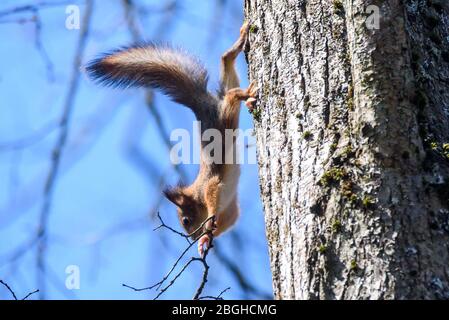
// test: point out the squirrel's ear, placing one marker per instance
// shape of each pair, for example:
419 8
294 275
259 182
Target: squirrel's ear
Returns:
174 195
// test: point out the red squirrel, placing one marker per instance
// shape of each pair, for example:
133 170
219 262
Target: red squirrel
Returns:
184 79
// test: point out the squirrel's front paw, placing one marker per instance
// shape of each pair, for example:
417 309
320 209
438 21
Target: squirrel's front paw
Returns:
203 244
252 93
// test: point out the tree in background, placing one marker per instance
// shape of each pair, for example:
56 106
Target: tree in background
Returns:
353 146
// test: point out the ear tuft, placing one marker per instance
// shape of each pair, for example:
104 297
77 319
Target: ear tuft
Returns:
174 195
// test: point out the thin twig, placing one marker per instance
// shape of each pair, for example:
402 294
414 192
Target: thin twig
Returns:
9 289
176 277
200 289
29 294
40 47
158 284
13 293
60 145
28 141
84 139
203 261
20 251
34 7
163 225
186 236
217 297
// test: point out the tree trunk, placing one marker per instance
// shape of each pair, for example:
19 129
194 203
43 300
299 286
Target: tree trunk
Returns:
352 129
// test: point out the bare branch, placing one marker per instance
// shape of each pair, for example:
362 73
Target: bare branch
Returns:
200 289
29 294
36 20
186 236
60 145
28 141
163 225
20 251
217 297
13 293
40 48
9 289
18 20
34 7
82 141
202 260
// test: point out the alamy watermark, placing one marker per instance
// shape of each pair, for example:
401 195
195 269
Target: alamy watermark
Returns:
73 279
372 21
218 147
72 21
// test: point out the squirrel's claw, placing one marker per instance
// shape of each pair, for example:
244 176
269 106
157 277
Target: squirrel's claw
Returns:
203 244
252 93
252 89
214 225
250 103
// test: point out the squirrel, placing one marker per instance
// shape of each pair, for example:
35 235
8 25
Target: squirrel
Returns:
207 207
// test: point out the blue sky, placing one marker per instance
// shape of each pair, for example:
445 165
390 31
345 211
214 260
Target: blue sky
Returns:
100 217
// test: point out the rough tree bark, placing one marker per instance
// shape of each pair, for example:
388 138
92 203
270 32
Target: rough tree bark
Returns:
352 134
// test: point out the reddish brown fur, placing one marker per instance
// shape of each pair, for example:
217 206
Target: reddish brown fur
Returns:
185 80
215 186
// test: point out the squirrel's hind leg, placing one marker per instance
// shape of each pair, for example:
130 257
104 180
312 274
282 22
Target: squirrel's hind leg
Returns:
228 75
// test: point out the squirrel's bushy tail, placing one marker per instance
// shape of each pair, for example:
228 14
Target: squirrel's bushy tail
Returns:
174 72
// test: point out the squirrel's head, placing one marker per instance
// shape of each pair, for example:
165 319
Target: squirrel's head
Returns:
191 212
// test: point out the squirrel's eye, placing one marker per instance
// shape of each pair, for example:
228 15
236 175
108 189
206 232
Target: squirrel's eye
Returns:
185 221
